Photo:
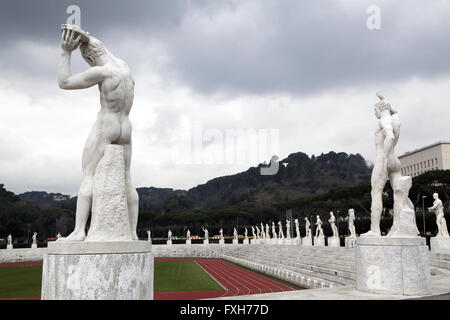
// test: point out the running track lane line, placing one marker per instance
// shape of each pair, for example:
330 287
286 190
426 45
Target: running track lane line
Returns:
227 283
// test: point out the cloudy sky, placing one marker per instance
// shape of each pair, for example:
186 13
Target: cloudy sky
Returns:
291 75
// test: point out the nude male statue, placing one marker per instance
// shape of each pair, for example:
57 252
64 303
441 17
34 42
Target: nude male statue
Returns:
351 223
307 227
438 209
319 231
386 165
116 86
333 226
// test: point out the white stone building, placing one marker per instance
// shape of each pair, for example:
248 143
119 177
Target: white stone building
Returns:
433 157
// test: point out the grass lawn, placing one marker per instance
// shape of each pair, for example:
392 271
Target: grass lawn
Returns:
182 276
25 281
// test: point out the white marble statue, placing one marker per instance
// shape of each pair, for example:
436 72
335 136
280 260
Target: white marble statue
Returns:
288 229
112 127
235 234
274 231
280 230
332 222
188 234
253 232
387 166
267 231
169 235
263 233
258 233
319 231
246 234
34 237
351 223
58 236
149 235
206 233
307 228
9 239
297 229
221 234
438 209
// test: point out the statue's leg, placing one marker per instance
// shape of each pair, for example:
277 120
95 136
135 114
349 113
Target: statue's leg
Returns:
132 195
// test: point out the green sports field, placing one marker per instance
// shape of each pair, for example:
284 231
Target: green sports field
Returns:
25 281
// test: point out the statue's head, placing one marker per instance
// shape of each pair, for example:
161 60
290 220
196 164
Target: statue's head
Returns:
91 51
351 211
331 213
435 196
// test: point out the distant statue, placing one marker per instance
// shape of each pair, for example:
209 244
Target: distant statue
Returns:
267 231
307 228
438 209
58 236
388 167
235 234
246 234
206 233
34 237
221 233
149 235
319 231
263 234
258 233
253 232
297 229
188 234
9 238
169 235
332 222
351 223
274 232
280 230
288 229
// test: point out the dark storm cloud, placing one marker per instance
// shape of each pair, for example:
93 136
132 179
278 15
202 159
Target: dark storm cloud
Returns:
291 46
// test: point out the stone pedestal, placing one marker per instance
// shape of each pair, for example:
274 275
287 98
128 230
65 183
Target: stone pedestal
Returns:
439 244
188 242
350 242
319 241
33 246
298 241
334 242
221 241
245 241
169 242
121 270
9 246
252 241
206 241
307 241
280 241
391 265
235 241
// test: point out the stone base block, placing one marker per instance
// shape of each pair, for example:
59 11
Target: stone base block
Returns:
221 241
9 246
245 241
33 246
235 241
280 241
334 242
440 244
169 242
252 241
188 242
80 273
206 241
307 241
390 265
298 241
350 242
319 242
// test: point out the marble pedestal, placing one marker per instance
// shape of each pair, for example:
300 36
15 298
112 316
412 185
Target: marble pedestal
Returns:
169 242
33 246
319 242
206 241
221 241
252 241
273 241
298 241
280 241
120 270
439 244
9 246
350 242
235 241
307 241
245 241
334 242
188 242
390 265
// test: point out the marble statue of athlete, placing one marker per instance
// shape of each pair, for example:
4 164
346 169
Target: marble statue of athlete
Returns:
113 78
